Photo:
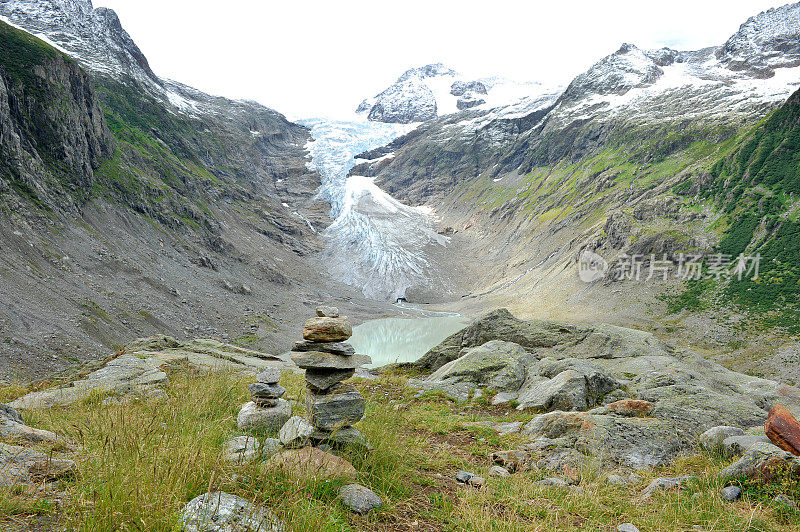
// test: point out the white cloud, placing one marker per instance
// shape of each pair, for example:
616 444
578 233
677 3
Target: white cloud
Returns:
319 57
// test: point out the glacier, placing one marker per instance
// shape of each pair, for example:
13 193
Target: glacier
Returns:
375 242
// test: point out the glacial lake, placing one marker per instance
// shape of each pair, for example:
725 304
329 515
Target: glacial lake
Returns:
390 340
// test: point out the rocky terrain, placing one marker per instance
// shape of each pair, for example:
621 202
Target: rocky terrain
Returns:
622 429
133 205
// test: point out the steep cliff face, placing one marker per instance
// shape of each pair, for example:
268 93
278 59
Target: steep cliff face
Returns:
52 132
132 206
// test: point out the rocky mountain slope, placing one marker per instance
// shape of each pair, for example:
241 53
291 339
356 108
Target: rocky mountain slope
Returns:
611 164
134 205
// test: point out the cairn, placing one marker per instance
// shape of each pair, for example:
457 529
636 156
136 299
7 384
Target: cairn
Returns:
332 405
266 412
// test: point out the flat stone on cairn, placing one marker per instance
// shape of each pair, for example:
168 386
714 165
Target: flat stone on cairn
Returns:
332 407
266 412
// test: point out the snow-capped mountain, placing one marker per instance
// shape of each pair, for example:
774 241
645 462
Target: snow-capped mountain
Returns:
425 93
647 92
97 40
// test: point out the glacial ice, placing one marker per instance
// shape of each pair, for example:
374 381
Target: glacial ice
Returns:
375 241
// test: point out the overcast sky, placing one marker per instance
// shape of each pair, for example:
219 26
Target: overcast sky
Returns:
322 57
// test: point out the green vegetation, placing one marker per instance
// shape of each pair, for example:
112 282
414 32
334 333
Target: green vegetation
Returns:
20 52
142 461
756 187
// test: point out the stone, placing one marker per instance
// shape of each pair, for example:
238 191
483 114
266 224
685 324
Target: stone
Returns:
325 329
270 446
358 498
7 412
295 433
575 388
783 429
631 408
497 364
222 512
325 311
335 348
320 360
499 472
341 438
617 480
664 483
738 445
759 461
269 375
513 460
476 481
14 431
731 493
712 439
501 428
627 527
630 442
552 482
783 500
241 449
253 418
464 476
22 464
266 391
265 403
312 462
340 406
324 379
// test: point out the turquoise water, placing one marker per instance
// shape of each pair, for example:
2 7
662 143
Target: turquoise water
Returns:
390 340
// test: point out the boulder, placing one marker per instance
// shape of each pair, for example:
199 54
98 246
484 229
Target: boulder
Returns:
320 360
731 493
552 482
578 386
618 441
323 379
627 527
7 412
22 464
296 432
341 438
336 348
760 460
738 445
241 449
325 311
499 472
12 430
513 460
664 483
222 512
713 438
256 419
359 498
266 391
496 364
340 406
324 329
783 430
312 462
269 375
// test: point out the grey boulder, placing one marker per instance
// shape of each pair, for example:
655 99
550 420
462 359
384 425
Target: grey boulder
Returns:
253 418
731 493
758 458
339 407
713 438
222 512
324 379
295 433
358 498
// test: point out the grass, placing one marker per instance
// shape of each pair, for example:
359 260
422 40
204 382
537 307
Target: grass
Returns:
142 461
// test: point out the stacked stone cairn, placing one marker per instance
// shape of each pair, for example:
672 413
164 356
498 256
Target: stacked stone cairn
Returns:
332 405
266 412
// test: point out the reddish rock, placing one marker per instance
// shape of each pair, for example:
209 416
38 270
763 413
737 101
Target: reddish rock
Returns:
783 430
631 407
